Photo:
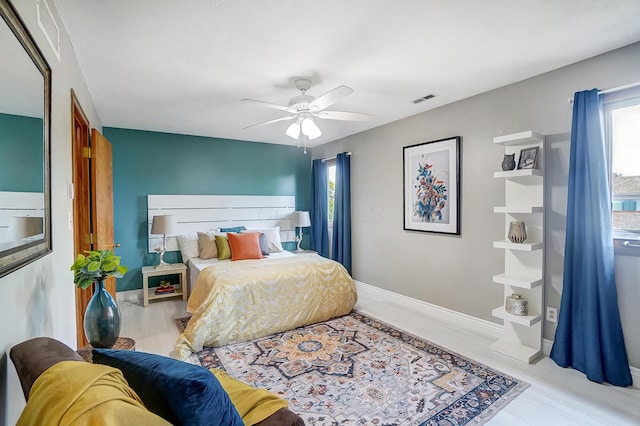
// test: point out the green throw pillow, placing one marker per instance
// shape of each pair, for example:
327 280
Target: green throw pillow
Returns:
224 250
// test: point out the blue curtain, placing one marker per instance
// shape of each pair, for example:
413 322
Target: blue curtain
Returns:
589 334
319 208
341 246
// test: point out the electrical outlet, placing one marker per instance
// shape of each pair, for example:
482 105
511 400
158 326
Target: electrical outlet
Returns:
552 314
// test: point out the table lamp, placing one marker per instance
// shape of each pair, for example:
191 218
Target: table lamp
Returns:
24 226
165 224
300 219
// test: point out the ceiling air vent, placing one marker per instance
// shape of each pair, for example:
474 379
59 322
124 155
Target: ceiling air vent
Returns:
424 98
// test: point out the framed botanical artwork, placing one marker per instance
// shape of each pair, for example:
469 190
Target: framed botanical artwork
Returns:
432 186
528 158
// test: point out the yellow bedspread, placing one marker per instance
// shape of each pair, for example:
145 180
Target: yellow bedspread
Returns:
79 393
243 300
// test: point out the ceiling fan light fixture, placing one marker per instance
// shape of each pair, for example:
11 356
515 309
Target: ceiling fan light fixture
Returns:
311 129
293 131
303 108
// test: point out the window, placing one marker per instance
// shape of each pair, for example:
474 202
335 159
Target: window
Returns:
331 190
622 122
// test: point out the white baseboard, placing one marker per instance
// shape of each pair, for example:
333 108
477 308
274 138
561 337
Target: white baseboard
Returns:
635 375
129 296
462 320
635 372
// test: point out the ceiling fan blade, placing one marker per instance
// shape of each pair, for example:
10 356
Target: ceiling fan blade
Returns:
343 115
269 122
270 105
330 98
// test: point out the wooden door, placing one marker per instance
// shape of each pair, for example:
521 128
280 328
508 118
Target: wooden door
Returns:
93 201
81 204
102 198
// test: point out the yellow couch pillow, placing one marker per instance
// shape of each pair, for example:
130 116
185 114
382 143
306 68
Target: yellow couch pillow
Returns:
253 404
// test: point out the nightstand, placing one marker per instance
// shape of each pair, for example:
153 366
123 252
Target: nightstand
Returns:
179 269
123 343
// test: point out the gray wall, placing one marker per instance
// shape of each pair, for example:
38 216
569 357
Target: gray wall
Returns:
455 271
39 299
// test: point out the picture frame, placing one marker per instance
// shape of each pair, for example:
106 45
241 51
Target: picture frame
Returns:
528 158
431 183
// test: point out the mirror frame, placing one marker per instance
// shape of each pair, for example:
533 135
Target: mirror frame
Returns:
17 257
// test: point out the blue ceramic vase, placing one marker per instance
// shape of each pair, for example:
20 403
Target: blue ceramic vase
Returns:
102 318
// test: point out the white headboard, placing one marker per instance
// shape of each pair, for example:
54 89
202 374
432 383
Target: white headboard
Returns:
18 204
208 212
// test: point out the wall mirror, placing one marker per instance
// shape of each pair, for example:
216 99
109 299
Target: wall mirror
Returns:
25 117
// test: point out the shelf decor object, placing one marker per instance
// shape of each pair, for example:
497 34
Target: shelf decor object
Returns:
517 232
523 275
528 158
432 186
509 162
516 305
165 224
102 317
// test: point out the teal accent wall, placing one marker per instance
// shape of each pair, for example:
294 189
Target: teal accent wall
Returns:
21 162
163 163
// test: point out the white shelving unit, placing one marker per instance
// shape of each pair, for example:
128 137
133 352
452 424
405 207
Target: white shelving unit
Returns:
523 262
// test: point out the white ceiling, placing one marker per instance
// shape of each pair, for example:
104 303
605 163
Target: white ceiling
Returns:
183 66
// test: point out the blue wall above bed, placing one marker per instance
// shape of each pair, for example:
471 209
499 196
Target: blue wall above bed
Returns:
21 146
164 163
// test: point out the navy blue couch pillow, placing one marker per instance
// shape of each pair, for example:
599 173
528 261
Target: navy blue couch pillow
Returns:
179 392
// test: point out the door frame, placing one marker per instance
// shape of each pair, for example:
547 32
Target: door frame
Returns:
81 178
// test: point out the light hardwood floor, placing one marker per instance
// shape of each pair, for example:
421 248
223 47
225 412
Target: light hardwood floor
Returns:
556 396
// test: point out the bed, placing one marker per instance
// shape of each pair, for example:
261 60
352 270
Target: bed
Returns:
238 300
233 301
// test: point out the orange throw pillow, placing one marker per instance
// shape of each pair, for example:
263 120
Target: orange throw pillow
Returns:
244 246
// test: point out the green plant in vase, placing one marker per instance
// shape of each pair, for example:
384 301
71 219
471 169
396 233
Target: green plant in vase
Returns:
102 317
96 266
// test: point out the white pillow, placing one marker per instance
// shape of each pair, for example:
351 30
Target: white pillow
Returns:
188 245
272 237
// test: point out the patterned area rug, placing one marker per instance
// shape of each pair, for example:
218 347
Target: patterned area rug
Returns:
355 370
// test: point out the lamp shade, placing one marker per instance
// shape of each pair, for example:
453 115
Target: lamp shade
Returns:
300 219
165 224
24 226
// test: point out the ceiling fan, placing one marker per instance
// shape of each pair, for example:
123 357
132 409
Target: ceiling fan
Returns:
305 108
